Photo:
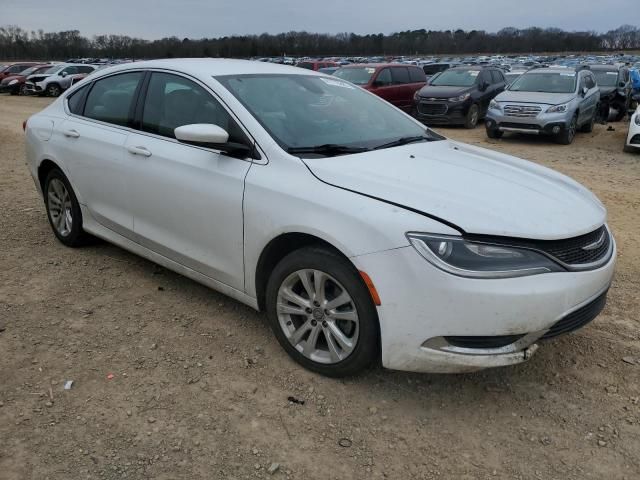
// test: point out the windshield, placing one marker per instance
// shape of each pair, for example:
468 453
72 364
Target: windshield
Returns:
548 82
54 69
357 75
29 71
304 112
456 78
606 79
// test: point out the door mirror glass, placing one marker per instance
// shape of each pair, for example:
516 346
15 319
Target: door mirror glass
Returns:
202 134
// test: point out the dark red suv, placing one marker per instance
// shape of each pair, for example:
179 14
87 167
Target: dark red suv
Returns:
15 68
316 65
396 83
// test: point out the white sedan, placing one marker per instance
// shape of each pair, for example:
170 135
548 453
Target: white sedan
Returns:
363 235
633 137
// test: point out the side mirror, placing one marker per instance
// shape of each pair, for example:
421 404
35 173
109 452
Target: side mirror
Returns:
213 136
202 134
484 86
584 91
63 74
622 84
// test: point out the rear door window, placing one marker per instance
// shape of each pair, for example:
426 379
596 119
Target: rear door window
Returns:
75 101
111 99
417 75
400 75
384 77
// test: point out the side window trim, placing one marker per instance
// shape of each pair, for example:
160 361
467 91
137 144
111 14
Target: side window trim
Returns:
258 153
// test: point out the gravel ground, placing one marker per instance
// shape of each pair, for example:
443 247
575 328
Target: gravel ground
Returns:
175 381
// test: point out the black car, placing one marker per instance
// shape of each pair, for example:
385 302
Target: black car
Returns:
458 96
615 90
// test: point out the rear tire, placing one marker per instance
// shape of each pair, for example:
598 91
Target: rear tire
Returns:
330 278
473 116
567 136
63 210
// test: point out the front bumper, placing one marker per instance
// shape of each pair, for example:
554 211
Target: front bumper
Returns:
9 88
541 124
33 88
442 112
423 308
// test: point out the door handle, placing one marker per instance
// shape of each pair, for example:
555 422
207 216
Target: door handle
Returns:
139 151
71 133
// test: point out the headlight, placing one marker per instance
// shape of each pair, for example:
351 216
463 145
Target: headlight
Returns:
637 120
480 260
558 108
13 82
416 96
494 105
460 98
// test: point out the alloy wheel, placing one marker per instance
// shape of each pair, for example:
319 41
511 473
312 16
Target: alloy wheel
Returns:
318 316
60 207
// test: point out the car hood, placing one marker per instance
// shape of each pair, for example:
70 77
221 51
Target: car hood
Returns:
38 77
535 97
6 80
433 91
477 190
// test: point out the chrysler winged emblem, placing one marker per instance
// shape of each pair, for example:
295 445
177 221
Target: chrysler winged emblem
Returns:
597 244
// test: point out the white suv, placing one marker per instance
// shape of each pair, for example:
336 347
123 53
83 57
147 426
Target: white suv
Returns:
361 233
56 80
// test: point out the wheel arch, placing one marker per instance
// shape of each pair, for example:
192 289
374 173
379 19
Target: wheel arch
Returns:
44 168
278 248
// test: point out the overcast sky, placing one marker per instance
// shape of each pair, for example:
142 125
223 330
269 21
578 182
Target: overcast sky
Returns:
212 18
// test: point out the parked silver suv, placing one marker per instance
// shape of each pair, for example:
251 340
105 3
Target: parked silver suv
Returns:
56 80
552 101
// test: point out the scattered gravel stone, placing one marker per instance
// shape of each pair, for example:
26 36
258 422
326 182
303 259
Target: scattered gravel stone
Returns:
629 360
612 389
273 468
151 420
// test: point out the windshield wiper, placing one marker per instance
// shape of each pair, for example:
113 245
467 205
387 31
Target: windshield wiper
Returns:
405 141
328 149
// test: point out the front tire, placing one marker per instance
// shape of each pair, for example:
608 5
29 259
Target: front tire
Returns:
63 210
473 116
322 314
567 136
494 133
588 127
53 90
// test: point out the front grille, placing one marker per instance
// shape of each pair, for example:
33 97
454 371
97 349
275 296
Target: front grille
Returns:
587 248
525 126
635 139
575 252
577 319
522 111
483 342
432 108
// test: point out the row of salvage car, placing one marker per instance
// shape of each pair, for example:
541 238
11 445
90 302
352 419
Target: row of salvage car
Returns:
557 101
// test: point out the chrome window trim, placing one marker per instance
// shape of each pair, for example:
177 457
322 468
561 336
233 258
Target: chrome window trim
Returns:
264 158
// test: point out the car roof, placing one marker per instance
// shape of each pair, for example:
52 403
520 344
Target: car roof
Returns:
211 67
552 70
378 65
609 68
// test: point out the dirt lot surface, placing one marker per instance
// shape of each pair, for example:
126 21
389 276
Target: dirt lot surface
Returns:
200 387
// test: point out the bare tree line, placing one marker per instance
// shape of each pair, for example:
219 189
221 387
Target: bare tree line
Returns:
17 43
